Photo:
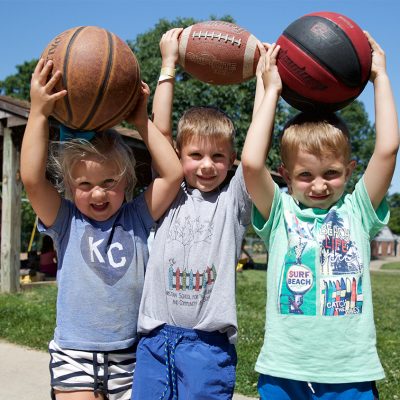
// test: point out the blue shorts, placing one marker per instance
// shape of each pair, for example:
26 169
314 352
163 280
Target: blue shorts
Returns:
270 387
178 363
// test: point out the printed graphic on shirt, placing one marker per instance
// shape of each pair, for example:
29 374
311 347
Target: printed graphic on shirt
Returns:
298 288
108 254
189 285
329 254
339 254
341 296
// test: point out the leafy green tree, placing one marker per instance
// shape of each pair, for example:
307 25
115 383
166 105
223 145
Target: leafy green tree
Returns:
394 222
18 85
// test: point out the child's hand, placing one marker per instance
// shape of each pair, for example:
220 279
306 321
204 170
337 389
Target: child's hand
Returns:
268 69
378 66
139 116
169 47
42 92
260 65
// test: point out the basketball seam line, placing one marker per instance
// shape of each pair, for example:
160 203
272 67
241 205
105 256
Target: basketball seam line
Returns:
103 86
65 74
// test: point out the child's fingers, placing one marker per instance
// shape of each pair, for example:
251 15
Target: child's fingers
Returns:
58 95
53 81
44 73
39 66
275 52
261 48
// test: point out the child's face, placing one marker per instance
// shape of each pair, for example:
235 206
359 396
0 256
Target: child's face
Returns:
96 188
206 162
317 182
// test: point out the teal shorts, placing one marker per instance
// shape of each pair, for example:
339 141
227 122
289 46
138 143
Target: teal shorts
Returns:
270 387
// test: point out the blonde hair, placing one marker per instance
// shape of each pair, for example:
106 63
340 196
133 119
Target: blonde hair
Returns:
206 123
106 145
317 134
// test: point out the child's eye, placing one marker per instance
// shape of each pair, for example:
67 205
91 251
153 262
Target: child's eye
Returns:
195 155
218 156
304 174
84 185
109 183
331 173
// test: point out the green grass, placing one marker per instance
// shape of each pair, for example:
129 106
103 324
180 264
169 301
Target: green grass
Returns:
391 266
27 318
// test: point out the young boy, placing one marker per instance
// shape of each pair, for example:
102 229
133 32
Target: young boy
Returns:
188 309
320 338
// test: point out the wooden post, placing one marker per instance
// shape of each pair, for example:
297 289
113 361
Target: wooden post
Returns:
11 215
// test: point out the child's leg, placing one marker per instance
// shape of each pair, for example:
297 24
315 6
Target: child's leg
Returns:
83 375
81 395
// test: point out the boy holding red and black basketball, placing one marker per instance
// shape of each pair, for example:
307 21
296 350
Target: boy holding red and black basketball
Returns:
320 338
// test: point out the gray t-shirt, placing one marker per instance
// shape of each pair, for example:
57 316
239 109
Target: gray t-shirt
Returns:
190 276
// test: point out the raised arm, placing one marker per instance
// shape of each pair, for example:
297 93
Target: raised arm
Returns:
258 180
44 198
164 188
164 94
383 160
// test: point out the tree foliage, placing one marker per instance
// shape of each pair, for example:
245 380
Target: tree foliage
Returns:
18 85
394 222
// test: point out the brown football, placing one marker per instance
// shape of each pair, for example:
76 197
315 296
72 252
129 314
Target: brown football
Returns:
218 52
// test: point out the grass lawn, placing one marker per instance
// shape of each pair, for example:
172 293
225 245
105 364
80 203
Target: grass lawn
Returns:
392 265
28 318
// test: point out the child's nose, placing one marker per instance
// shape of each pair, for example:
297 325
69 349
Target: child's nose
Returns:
207 163
98 193
319 185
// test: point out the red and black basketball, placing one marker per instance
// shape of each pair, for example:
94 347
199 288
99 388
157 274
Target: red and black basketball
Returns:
101 75
324 62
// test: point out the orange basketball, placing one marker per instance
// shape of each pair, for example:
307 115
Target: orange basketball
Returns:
101 75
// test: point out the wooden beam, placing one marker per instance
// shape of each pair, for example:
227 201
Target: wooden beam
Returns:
10 216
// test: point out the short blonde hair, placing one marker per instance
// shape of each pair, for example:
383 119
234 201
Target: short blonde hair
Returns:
106 145
317 134
204 122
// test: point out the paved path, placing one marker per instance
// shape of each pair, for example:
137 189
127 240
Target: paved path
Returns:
25 374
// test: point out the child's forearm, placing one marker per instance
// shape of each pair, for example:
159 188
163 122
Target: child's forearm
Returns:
164 158
259 95
258 139
386 120
162 107
34 150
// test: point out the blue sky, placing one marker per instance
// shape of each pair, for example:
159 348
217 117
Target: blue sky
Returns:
28 25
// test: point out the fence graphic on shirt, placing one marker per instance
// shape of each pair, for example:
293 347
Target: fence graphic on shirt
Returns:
183 280
341 296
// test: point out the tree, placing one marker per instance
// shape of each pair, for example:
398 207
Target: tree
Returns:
394 222
18 85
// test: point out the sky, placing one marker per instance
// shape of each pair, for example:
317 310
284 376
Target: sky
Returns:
27 26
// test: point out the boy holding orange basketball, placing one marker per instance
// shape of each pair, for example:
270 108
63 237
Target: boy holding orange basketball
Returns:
187 314
320 336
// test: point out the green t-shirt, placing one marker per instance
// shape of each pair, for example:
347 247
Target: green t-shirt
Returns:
319 316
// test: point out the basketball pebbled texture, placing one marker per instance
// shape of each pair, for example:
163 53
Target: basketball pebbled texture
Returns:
218 52
101 75
324 62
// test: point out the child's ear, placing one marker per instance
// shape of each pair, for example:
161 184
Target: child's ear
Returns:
285 174
233 158
350 168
